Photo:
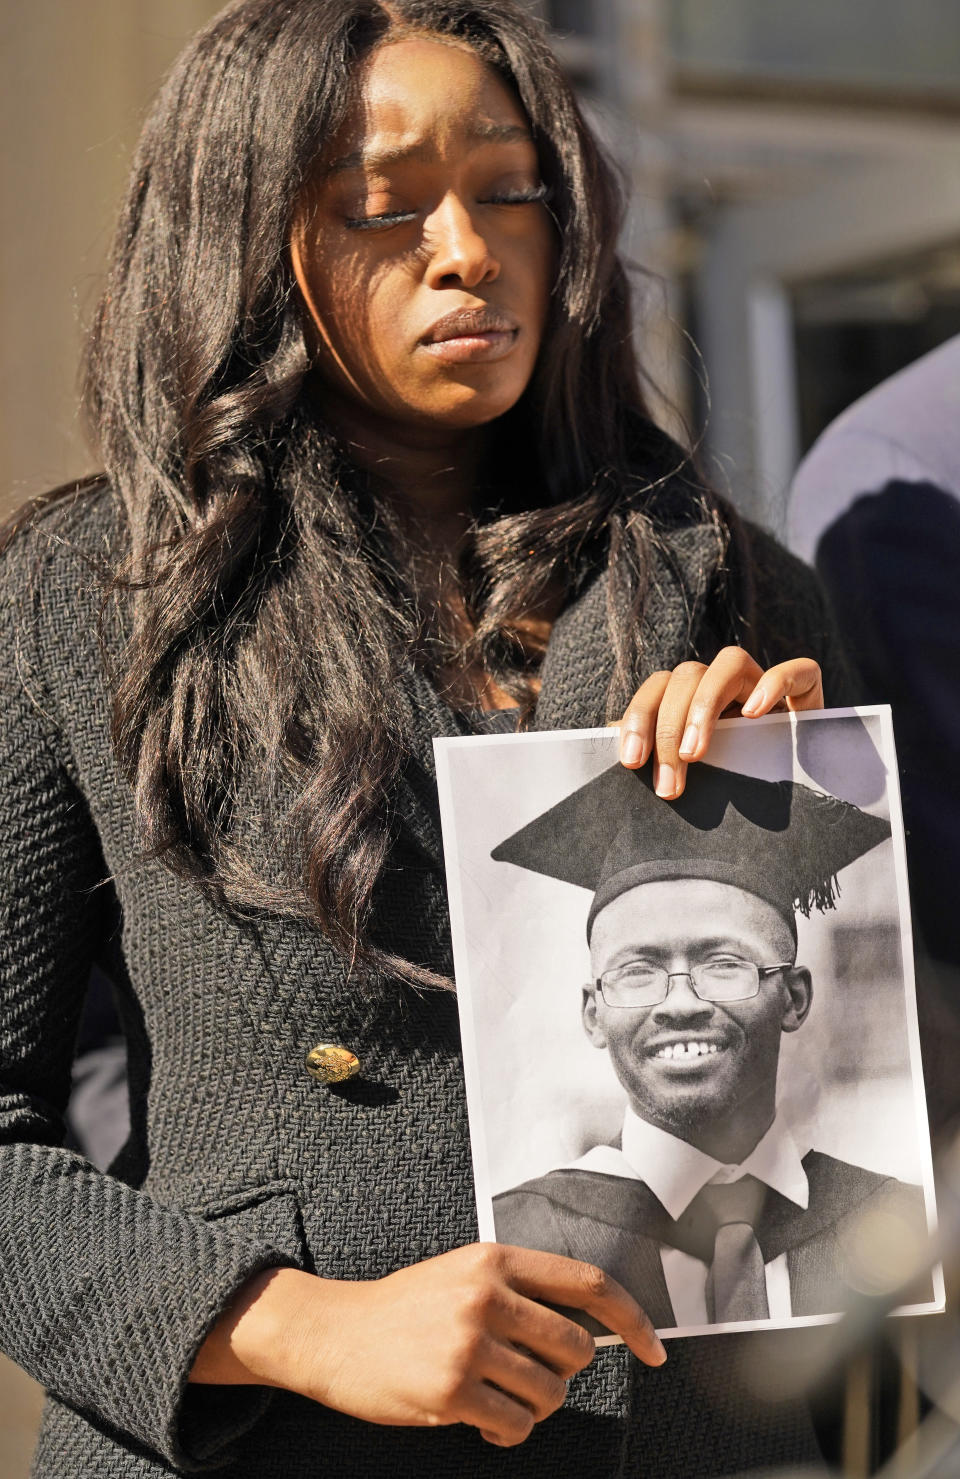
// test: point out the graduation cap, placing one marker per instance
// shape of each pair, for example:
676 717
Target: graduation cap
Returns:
779 840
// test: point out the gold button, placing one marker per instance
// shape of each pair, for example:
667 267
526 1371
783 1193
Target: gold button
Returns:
332 1064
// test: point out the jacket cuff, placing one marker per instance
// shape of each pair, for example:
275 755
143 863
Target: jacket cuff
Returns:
207 1422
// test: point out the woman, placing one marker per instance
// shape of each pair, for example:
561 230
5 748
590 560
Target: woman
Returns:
377 466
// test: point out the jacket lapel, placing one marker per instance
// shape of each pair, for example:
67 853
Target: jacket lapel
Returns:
579 667
427 717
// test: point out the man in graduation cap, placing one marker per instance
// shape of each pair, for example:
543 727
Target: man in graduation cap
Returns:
706 1209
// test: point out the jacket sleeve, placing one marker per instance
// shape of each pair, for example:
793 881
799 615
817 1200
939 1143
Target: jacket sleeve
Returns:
105 1294
890 564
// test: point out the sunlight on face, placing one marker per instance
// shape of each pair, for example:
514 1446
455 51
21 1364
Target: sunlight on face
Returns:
429 204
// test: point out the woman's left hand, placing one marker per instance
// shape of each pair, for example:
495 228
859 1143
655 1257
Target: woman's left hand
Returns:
672 715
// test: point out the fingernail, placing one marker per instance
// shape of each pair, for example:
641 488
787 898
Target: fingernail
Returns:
631 748
756 701
660 1350
666 782
691 738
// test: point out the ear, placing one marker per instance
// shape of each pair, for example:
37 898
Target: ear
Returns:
588 1016
799 997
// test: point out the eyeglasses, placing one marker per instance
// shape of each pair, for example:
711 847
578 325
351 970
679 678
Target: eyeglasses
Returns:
639 983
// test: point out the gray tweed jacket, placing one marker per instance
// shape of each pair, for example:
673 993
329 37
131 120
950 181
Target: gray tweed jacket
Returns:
238 1160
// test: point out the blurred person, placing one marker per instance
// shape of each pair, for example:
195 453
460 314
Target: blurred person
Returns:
706 1209
377 463
875 506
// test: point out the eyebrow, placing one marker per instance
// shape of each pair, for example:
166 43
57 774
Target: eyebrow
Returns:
697 948
480 133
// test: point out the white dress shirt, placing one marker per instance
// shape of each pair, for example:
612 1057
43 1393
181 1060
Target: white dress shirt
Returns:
675 1172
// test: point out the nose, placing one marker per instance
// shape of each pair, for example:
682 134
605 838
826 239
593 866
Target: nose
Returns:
682 1002
460 254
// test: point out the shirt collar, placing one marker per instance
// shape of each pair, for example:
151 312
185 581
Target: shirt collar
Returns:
676 1171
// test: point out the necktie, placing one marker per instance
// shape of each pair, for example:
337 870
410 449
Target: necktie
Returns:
736 1286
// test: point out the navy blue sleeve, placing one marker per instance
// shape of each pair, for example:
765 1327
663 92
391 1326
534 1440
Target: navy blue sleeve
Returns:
891 565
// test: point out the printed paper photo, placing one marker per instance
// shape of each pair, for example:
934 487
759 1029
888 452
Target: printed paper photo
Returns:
689 1027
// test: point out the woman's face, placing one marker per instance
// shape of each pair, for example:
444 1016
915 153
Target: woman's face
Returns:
423 249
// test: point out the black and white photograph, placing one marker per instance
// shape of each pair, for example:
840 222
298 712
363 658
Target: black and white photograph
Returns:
689 1027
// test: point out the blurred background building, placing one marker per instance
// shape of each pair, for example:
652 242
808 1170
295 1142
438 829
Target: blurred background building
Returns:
795 222
796 184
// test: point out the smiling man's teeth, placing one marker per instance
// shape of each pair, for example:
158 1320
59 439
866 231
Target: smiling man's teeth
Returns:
687 1050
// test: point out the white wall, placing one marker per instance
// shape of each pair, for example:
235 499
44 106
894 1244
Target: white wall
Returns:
75 79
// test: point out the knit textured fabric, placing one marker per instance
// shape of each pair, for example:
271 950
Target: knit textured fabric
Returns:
238 1160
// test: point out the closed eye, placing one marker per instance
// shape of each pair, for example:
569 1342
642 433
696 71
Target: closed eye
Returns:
536 195
370 223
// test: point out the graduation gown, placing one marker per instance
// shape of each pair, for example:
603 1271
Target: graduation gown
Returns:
620 1225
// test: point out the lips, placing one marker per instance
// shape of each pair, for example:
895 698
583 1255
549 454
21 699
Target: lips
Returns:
470 323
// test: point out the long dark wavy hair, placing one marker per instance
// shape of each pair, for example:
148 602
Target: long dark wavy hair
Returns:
272 608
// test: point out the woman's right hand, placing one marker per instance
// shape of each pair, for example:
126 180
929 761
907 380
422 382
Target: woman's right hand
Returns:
463 1338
